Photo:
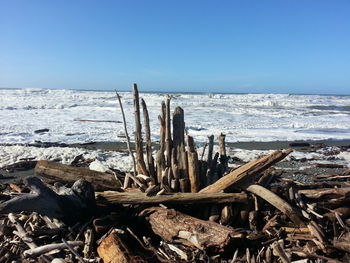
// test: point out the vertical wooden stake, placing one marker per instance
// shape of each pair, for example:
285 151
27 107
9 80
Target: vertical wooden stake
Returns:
168 142
126 134
140 162
150 160
160 159
222 151
179 141
193 168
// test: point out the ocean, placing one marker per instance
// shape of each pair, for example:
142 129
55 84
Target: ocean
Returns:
242 117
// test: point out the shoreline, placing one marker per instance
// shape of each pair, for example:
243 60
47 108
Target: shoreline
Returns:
251 145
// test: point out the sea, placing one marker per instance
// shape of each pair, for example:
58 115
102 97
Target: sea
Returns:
77 116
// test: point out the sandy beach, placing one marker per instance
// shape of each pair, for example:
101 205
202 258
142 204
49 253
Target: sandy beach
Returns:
300 168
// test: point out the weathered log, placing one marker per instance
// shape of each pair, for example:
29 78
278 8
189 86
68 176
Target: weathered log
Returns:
317 193
68 204
114 249
240 177
276 201
112 197
150 160
140 162
172 225
193 167
179 142
69 174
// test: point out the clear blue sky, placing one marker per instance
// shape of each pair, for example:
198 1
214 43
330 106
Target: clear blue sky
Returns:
199 46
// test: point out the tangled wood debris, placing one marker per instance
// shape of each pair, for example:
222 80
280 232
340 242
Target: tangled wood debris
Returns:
175 208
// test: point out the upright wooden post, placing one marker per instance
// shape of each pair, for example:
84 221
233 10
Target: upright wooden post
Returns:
179 141
160 159
168 142
140 163
150 160
193 167
222 151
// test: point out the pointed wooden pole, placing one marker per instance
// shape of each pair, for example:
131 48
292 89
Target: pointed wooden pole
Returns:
150 160
140 162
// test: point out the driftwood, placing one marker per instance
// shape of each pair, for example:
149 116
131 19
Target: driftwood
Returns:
179 155
276 201
140 162
114 249
193 167
150 160
318 193
111 197
168 141
160 158
34 252
126 132
69 174
246 172
68 204
172 225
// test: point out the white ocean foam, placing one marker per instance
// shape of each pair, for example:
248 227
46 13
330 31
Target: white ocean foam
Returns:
242 117
105 160
101 160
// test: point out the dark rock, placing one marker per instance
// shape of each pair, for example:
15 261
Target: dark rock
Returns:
41 131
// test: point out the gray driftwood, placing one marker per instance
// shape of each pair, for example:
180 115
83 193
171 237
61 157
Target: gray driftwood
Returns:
68 204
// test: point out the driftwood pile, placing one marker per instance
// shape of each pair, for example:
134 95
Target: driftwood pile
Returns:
176 208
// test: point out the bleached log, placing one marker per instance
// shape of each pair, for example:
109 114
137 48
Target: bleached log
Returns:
69 174
242 176
276 201
111 197
35 252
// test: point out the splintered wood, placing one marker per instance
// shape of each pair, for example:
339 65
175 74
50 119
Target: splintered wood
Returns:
176 207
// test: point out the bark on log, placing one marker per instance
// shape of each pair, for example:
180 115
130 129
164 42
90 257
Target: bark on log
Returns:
171 225
150 160
111 197
276 201
193 167
113 249
140 162
69 174
247 172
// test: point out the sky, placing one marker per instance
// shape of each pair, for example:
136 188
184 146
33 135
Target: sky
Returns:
236 46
